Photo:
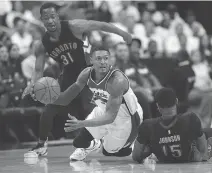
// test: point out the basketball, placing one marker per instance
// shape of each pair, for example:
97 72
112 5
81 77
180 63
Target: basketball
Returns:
46 90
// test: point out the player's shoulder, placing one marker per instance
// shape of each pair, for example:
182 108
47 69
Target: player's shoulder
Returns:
150 122
39 47
84 75
117 82
86 71
188 115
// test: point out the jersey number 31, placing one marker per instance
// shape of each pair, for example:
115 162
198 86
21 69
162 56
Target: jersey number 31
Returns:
67 59
174 149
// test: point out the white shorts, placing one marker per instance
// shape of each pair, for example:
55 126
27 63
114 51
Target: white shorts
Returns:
116 135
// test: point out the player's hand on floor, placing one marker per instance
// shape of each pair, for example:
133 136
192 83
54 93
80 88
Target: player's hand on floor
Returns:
72 124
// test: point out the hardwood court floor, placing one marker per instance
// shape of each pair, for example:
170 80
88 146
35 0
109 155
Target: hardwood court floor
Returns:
12 161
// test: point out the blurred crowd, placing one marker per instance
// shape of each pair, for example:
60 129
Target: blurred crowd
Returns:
167 50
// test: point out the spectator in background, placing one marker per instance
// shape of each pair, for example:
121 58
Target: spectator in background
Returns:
196 27
15 61
176 19
150 34
103 12
152 51
135 48
200 97
181 80
205 47
201 69
6 82
19 81
141 78
121 56
174 43
5 39
21 37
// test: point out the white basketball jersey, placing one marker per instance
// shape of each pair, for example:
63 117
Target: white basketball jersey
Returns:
100 95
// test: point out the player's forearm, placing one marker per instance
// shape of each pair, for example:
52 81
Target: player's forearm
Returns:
107 27
36 75
39 68
202 145
68 95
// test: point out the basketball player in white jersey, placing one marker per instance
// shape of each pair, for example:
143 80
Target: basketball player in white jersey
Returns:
117 114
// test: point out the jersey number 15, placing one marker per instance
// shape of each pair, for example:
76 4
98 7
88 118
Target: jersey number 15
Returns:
174 149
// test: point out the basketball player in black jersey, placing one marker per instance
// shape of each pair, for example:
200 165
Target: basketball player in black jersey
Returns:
172 137
63 41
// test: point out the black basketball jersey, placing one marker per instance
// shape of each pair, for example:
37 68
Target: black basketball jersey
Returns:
68 52
172 143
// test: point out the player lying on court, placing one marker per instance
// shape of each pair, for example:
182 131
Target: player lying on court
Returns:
172 137
117 114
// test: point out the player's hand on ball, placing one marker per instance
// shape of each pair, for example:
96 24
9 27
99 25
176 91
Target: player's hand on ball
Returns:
72 124
28 90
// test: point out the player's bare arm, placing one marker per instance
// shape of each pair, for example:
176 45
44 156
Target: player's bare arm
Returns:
81 27
201 142
71 92
140 152
141 149
116 86
40 55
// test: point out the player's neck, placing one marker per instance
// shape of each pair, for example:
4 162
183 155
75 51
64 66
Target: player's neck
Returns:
100 76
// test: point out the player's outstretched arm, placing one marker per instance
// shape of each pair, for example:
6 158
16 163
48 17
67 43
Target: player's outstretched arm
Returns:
141 149
200 149
40 55
81 27
71 92
117 85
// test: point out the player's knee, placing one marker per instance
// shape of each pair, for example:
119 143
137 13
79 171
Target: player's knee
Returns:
111 148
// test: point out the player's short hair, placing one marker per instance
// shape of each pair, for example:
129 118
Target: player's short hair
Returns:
166 98
48 5
94 49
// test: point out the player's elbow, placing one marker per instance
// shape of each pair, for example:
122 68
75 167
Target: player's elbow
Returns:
111 119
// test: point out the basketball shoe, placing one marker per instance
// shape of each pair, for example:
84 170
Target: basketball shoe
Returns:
80 153
40 149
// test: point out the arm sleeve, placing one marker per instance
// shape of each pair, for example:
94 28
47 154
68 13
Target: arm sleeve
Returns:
143 134
196 128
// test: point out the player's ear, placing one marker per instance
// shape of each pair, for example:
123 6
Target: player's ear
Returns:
91 58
